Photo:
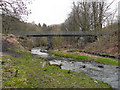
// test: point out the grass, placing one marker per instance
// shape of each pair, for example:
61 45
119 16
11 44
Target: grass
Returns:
82 50
3 34
27 72
86 58
74 50
18 50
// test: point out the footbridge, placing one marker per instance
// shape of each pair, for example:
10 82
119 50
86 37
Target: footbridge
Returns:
50 34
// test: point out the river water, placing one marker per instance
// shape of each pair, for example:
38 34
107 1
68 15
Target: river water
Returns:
102 72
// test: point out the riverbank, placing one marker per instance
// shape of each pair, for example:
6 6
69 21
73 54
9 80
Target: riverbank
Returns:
23 70
85 57
93 53
27 72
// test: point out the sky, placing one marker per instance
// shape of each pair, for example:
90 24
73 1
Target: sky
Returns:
51 11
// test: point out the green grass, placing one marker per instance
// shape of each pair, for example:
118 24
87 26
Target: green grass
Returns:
3 34
82 50
18 50
86 58
32 75
74 50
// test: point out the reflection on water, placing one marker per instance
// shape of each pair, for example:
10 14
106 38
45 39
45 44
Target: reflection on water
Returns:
106 73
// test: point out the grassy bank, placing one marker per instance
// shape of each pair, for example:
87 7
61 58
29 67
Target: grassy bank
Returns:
86 58
26 71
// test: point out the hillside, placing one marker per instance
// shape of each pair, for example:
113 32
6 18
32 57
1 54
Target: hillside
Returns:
107 44
13 24
11 44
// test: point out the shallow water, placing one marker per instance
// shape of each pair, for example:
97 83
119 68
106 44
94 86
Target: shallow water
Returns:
106 73
37 51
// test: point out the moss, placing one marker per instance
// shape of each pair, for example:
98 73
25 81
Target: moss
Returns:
3 34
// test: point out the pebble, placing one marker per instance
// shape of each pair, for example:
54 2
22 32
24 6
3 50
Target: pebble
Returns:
95 81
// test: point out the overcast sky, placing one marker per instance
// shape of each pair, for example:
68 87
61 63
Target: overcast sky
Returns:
51 11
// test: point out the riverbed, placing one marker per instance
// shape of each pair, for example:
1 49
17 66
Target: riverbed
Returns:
102 72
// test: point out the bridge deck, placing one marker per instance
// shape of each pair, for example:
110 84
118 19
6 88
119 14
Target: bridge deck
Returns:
58 35
62 33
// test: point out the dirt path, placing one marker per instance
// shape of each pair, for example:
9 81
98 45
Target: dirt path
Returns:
79 53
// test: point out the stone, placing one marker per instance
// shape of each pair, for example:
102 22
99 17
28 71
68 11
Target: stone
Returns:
83 66
44 64
100 66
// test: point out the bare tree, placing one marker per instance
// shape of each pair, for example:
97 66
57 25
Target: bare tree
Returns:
13 11
89 15
15 8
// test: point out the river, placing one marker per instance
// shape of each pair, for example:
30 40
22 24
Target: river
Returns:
102 72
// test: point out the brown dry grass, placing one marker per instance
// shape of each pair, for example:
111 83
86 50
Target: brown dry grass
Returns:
107 43
79 53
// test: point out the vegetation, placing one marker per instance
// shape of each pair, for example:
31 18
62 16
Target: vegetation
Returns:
23 70
89 16
15 8
108 43
27 72
87 58
14 25
78 19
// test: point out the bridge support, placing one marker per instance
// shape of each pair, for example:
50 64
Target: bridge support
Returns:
49 42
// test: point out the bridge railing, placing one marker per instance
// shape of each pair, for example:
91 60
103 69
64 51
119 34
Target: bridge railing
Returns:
59 33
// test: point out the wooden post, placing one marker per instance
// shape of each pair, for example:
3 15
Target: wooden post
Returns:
49 42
